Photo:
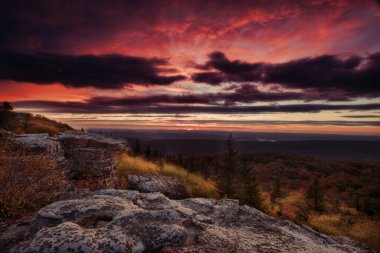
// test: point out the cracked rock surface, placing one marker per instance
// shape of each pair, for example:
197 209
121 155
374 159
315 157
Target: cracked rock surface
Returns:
169 186
129 221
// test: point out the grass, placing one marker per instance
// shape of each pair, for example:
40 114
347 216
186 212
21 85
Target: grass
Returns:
361 229
25 123
196 185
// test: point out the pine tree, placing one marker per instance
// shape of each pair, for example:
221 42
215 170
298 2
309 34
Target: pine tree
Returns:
137 147
315 195
367 208
6 106
228 169
357 202
148 152
276 193
155 155
249 193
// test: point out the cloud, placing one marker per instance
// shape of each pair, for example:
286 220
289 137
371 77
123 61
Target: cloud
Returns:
351 76
98 106
213 78
361 116
102 72
299 122
243 94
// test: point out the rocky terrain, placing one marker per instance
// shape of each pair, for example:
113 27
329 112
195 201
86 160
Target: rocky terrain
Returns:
82 155
129 221
147 220
169 186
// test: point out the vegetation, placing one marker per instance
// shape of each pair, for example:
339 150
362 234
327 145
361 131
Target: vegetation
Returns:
248 191
137 147
315 195
334 197
228 170
26 123
28 182
6 106
196 185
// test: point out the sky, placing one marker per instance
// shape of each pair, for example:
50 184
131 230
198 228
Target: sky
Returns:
256 66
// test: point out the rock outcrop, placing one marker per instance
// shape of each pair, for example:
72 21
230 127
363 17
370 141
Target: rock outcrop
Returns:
91 156
42 144
83 156
169 186
129 221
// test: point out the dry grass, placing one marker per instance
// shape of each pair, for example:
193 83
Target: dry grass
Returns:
366 231
327 223
196 185
27 181
22 123
361 229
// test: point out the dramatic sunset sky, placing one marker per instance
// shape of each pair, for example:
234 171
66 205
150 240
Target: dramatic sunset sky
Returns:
281 66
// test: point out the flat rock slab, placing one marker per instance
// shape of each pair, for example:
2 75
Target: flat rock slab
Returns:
129 221
169 186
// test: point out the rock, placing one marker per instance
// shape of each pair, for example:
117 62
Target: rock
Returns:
169 186
83 156
38 144
91 157
129 221
13 232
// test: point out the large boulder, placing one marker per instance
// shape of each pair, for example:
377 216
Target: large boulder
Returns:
129 221
84 156
92 157
38 144
169 186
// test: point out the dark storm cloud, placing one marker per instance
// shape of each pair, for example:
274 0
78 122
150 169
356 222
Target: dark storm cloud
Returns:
361 116
244 94
213 78
60 24
303 122
352 76
103 72
99 107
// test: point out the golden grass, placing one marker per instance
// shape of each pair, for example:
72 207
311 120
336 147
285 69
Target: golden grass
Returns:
22 123
327 223
366 231
196 185
361 229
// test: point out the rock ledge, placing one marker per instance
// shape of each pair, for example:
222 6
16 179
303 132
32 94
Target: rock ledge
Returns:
129 221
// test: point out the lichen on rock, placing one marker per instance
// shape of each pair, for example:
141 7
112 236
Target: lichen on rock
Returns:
129 221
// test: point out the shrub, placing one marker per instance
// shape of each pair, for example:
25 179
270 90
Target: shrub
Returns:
196 185
27 181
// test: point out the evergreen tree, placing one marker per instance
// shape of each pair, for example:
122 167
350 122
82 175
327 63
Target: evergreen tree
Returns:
249 193
228 169
337 205
148 152
276 193
180 160
357 202
137 147
315 195
6 106
367 209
